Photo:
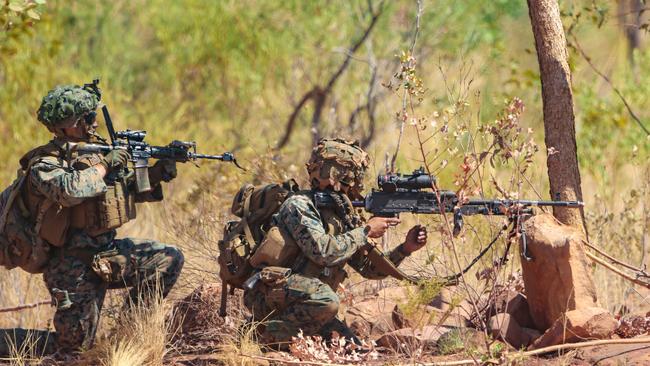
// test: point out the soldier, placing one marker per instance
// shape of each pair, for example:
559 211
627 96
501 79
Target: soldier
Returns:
328 239
76 201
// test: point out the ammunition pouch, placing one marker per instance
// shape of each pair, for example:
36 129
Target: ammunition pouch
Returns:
274 280
332 276
102 214
234 252
111 265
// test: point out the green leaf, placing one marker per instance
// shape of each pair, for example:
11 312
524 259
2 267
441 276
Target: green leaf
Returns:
40 2
16 7
34 15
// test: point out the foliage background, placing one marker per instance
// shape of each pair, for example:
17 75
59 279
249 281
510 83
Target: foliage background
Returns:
228 74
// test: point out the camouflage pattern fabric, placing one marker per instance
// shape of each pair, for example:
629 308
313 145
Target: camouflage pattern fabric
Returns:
79 273
66 102
63 186
143 265
308 302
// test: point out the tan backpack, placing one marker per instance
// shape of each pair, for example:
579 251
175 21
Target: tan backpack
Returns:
20 246
241 239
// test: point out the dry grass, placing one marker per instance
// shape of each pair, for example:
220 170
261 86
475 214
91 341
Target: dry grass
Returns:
27 353
141 336
233 349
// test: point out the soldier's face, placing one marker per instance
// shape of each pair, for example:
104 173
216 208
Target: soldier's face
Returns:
83 128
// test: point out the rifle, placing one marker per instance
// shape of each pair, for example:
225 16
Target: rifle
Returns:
140 151
417 193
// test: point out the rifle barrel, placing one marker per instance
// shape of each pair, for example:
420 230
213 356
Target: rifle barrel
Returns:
206 156
475 202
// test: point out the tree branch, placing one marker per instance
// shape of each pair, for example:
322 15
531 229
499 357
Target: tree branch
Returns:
618 271
609 82
319 95
291 123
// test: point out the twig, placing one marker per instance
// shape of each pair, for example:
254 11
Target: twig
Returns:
616 261
609 82
617 271
406 93
319 94
291 362
585 344
26 306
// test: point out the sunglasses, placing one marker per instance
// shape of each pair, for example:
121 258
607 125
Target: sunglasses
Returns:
89 117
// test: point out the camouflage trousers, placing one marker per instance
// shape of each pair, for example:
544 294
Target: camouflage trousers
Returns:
78 285
302 303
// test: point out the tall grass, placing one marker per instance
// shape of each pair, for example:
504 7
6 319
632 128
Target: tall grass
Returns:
141 335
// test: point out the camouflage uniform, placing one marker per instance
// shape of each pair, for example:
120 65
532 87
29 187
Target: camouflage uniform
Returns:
69 276
308 299
89 259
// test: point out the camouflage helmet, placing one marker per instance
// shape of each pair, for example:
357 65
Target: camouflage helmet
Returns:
64 104
338 161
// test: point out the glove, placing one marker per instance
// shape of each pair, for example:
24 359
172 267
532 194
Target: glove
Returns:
162 171
116 159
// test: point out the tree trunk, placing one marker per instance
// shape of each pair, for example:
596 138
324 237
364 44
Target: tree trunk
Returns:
559 119
631 19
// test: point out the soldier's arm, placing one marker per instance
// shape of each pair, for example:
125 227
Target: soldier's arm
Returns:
66 187
300 218
367 269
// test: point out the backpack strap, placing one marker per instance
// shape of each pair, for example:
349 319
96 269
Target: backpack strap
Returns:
251 241
244 221
15 191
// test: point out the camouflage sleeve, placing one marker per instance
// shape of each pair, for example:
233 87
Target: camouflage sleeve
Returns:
68 188
301 219
367 269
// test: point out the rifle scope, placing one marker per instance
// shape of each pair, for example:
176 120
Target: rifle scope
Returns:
133 135
415 181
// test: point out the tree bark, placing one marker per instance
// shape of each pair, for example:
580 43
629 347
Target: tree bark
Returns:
559 118
630 17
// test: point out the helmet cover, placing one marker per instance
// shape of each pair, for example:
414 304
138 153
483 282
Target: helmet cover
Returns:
65 104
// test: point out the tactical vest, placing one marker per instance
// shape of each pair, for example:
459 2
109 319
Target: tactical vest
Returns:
95 216
332 276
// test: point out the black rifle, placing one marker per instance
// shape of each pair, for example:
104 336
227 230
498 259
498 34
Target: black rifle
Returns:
140 151
416 193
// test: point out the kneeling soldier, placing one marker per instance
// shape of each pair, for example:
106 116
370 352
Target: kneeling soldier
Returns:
75 202
328 239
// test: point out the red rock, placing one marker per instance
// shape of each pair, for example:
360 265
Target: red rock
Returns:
578 325
409 338
424 315
505 327
558 279
370 318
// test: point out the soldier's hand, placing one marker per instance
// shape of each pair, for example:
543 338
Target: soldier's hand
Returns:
116 159
416 238
163 170
377 226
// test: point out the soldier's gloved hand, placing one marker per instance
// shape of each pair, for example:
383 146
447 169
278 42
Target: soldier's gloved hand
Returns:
162 171
377 226
416 238
116 159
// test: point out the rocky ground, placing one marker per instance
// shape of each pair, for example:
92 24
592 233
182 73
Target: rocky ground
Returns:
394 332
